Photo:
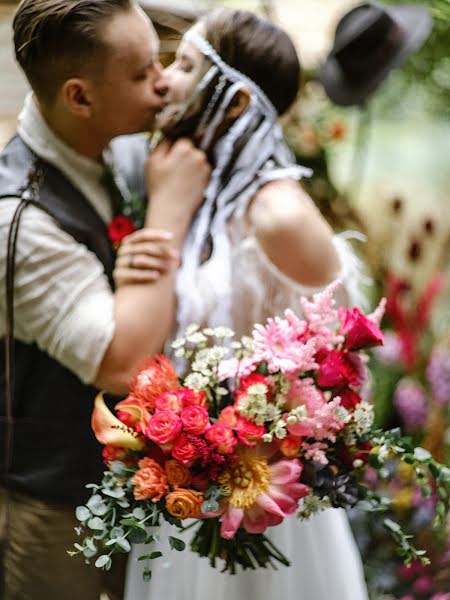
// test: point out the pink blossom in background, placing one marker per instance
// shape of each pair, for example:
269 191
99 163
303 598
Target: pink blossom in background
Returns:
438 375
391 351
411 404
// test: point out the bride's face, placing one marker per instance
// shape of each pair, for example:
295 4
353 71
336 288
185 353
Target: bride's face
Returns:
179 81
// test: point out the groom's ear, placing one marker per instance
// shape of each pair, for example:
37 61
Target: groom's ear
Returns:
239 104
77 97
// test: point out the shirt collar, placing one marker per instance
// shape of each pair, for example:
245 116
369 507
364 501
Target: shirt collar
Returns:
84 173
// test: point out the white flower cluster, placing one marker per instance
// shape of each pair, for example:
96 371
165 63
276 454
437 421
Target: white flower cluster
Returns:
254 406
310 505
363 417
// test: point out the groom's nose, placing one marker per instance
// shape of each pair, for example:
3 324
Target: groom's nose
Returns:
161 87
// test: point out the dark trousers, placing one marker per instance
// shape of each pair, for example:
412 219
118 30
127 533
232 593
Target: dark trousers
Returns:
34 564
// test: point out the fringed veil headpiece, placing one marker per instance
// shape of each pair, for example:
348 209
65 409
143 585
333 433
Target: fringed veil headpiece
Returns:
250 154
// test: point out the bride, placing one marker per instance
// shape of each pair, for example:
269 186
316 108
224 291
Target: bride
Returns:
256 245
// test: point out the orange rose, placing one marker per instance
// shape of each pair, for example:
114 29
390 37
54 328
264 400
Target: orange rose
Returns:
184 504
178 474
150 481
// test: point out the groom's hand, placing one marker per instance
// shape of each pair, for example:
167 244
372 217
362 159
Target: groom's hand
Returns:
177 174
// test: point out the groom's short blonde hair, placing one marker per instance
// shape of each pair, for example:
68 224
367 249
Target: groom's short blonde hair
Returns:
58 39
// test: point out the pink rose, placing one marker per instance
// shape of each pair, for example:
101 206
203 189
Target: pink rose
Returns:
183 450
195 419
164 427
338 370
170 401
221 437
248 432
190 397
228 416
360 332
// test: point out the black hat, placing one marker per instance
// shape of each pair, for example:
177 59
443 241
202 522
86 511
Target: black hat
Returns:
370 41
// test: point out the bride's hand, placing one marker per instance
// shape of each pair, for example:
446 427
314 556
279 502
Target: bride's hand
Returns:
144 256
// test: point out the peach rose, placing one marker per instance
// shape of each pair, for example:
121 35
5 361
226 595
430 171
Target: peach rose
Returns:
156 375
150 481
178 474
183 450
184 504
191 397
170 401
290 445
164 427
249 433
195 419
228 416
221 437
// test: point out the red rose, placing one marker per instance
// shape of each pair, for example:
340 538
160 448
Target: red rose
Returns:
349 398
338 370
119 228
360 332
184 450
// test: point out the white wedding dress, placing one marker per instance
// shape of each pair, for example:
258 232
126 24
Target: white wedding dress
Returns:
325 563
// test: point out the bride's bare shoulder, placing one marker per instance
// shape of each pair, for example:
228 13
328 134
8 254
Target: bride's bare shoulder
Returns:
281 204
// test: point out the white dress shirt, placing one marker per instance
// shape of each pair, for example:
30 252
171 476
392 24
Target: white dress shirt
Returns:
63 301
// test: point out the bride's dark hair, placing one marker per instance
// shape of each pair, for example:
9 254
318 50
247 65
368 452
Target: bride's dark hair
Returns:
259 49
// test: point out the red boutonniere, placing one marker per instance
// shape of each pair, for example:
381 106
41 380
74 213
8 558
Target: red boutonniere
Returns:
119 228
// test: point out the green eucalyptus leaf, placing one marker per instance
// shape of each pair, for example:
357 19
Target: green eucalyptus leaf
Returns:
138 536
103 561
118 468
114 492
83 513
117 532
96 523
176 543
89 553
123 544
392 525
421 454
139 513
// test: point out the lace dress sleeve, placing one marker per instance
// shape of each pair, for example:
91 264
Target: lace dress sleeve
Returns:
261 290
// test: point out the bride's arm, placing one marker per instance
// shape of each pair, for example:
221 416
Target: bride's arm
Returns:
293 234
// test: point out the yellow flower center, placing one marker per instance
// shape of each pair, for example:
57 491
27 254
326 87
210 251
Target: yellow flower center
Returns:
243 483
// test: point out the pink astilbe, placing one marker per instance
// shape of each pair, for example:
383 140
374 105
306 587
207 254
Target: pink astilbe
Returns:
321 315
277 343
378 313
315 452
320 421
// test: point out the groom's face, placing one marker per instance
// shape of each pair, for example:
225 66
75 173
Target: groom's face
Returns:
124 96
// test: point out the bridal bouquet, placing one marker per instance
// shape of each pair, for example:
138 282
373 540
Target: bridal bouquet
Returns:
259 429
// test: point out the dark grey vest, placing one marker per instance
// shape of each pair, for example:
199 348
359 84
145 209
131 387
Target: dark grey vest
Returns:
54 452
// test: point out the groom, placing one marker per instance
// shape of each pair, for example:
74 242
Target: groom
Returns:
92 66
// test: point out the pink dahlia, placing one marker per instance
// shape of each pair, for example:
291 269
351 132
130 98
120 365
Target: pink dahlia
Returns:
259 494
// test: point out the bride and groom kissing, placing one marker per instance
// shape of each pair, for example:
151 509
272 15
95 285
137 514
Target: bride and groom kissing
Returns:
230 238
